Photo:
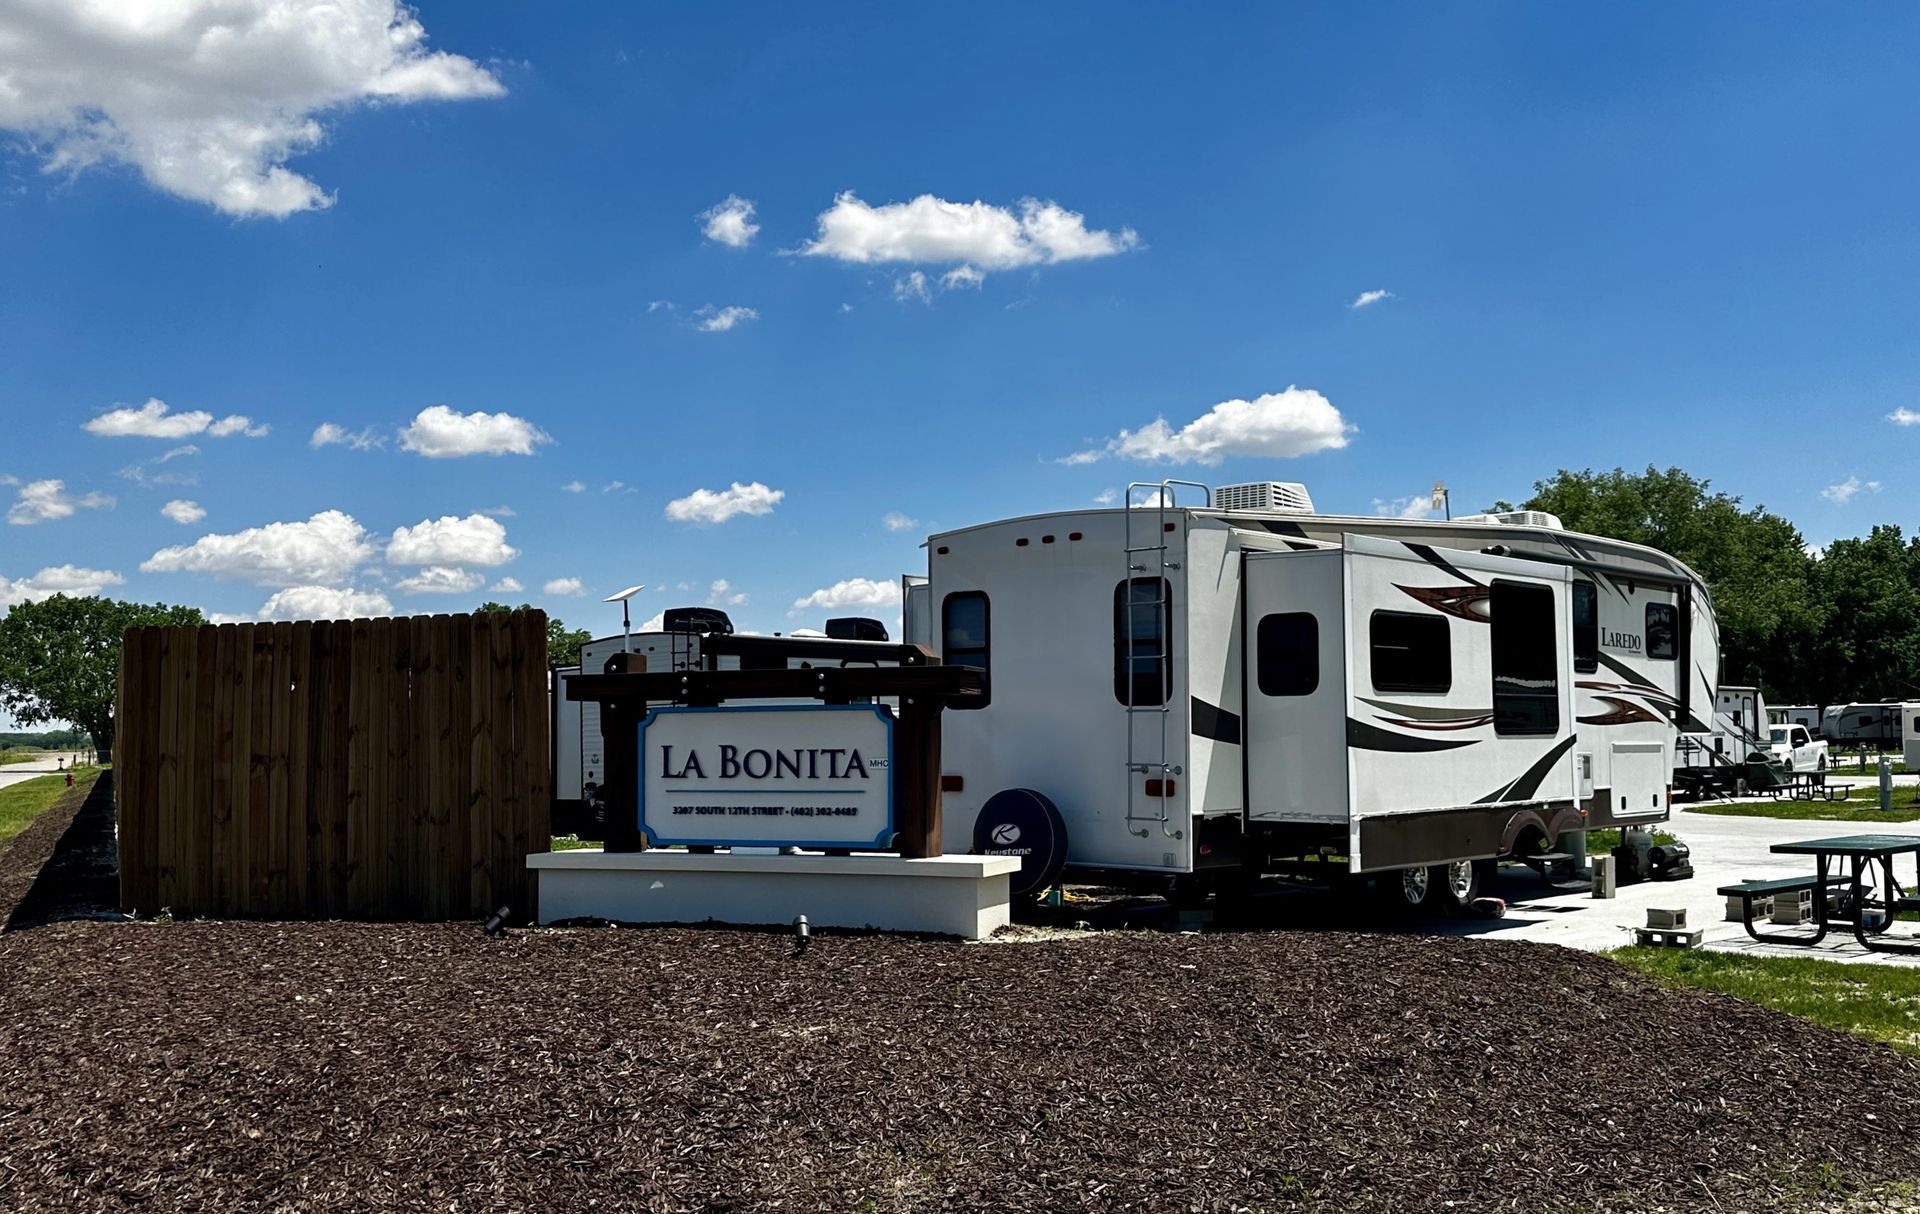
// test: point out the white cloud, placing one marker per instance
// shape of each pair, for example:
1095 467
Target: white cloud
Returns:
43 501
57 579
1367 299
730 222
1106 497
155 419
659 305
1278 425
653 623
324 603
500 512
137 473
184 512
440 579
962 276
209 99
507 585
565 585
912 286
473 540
722 594
1418 505
438 432
977 234
719 320
1904 416
710 506
324 550
574 487
893 520
1844 492
328 434
1149 499
852 592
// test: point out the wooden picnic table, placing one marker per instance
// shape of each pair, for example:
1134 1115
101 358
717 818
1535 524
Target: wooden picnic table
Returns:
1859 851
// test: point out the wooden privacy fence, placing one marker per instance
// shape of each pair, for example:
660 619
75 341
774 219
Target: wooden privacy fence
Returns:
368 769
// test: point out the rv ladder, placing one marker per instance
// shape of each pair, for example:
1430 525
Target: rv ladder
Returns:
1149 756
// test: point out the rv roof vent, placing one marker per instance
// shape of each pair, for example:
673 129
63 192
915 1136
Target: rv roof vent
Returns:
1489 519
856 628
1286 496
1531 518
705 620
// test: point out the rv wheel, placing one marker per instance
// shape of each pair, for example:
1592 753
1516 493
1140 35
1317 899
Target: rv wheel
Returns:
1462 881
1418 888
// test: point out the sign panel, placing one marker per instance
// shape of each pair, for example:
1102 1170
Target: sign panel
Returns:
788 775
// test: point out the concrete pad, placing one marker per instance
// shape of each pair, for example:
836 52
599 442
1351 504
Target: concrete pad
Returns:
965 896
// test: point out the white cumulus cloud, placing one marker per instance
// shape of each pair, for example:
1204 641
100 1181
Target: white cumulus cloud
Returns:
719 320
729 222
717 506
565 585
331 434
978 234
507 585
893 520
321 551
962 276
57 579
851 592
1278 425
439 432
440 579
1417 505
155 419
325 603
209 99
909 287
1366 299
44 501
1845 491
574 487
473 540
722 594
184 512
1904 416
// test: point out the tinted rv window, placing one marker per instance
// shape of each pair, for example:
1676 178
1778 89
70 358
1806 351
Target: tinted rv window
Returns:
1142 651
1662 639
1586 628
1526 668
963 642
1410 652
1287 654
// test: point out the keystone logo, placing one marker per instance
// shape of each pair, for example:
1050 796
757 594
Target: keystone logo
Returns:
1006 834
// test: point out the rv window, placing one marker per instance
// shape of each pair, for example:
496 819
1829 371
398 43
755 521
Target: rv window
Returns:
1287 654
1142 651
963 642
1586 628
1661 638
1410 652
1526 667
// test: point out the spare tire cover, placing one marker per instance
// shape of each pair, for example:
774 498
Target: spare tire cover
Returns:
1021 822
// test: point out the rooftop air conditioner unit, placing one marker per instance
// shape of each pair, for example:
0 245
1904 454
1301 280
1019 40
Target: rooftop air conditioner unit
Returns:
1284 496
1531 518
1488 519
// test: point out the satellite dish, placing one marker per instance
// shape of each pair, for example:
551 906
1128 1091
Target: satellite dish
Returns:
624 595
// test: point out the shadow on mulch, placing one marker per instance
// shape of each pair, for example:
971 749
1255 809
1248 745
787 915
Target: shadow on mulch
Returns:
65 865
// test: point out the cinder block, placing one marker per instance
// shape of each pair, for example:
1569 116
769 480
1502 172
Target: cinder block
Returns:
1793 908
1667 920
1736 912
1603 877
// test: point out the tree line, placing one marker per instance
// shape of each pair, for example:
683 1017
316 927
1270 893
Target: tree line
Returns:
1832 626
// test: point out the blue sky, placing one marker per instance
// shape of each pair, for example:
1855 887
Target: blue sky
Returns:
1622 235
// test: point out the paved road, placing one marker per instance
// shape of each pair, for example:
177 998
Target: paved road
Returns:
14 773
1725 849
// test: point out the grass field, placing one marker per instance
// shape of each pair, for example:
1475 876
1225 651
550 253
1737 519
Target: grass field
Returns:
21 803
19 754
1877 1001
1864 808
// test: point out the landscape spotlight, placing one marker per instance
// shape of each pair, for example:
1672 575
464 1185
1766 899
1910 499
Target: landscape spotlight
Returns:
497 921
626 618
802 933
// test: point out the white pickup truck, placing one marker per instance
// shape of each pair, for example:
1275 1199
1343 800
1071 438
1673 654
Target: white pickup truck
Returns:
1795 749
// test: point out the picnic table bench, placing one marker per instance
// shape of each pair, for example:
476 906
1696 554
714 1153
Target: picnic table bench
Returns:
1862 853
1747 891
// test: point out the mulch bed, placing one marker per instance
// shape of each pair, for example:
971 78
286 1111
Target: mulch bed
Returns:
345 1067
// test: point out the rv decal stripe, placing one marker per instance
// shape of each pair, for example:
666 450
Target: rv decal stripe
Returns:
1529 782
1468 603
1210 721
1625 671
1426 712
1622 712
1279 528
1362 736
1427 554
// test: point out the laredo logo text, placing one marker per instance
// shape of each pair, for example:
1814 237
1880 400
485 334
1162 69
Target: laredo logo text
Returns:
1613 639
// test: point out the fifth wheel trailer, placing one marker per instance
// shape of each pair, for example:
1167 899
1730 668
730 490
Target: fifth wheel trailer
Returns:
1203 692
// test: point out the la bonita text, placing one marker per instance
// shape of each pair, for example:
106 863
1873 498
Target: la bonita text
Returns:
799 763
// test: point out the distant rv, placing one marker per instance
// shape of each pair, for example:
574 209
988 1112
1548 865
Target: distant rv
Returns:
1236 684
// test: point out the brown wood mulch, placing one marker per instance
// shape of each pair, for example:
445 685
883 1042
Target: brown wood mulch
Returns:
346 1067
62 864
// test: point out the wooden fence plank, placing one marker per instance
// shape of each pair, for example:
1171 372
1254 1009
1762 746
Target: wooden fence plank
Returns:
387 763
362 852
480 720
335 854
198 851
259 761
299 761
534 832
505 802
450 840
279 757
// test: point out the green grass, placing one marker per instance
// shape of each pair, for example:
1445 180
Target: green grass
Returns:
1854 809
21 803
1600 842
570 843
20 754
1877 1001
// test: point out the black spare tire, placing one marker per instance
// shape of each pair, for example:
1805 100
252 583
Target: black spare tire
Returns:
1024 823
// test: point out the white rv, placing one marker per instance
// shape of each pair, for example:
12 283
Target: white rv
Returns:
1861 724
1240 684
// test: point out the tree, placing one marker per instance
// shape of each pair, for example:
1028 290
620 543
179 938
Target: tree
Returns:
563 643
1755 563
60 658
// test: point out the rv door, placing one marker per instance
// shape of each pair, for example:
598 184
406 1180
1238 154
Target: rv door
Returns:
1296 686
